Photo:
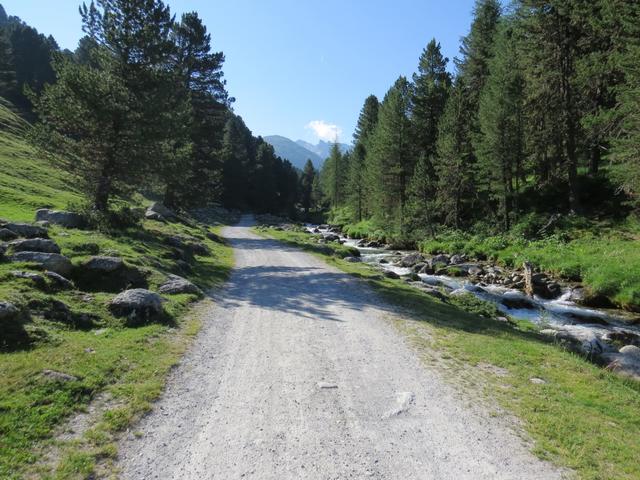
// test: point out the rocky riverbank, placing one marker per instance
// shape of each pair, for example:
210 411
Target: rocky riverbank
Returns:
565 312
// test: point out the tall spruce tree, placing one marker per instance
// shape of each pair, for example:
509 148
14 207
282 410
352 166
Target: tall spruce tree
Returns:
431 87
460 126
334 176
500 147
86 115
551 45
626 137
357 176
306 187
391 158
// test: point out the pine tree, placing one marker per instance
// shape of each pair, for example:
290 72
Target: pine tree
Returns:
455 160
237 157
86 115
391 158
138 35
306 187
430 90
334 177
500 148
357 174
626 141
551 46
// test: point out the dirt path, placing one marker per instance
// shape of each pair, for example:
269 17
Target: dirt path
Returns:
297 375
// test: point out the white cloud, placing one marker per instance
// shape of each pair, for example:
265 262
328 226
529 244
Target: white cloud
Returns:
325 131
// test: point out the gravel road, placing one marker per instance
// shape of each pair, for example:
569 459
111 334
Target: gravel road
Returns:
298 374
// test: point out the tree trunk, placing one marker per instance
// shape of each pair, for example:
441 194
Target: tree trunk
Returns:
103 191
594 160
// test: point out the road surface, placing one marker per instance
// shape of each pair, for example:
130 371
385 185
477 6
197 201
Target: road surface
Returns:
298 374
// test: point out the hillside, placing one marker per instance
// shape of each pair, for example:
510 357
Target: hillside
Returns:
61 343
290 150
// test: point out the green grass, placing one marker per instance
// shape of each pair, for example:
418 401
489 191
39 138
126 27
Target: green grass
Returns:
584 418
26 181
606 260
126 365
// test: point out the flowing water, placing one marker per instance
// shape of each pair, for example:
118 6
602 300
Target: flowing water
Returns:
558 312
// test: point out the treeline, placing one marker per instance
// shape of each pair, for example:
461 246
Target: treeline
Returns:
542 115
141 106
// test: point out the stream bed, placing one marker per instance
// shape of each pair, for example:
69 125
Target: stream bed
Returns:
596 332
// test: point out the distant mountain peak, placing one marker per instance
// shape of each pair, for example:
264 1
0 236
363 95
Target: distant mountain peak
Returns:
300 151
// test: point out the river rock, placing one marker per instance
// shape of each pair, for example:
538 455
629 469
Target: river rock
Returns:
426 270
176 284
6 234
547 289
35 245
138 304
49 261
475 270
626 362
457 259
410 260
331 237
441 259
582 296
579 340
517 301
352 259
60 217
157 211
391 274
26 230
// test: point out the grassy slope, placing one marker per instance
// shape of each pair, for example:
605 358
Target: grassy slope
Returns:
126 364
583 417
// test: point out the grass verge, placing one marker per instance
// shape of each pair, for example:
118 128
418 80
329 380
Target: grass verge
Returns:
105 362
581 417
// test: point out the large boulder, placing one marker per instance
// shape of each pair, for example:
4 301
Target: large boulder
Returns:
441 259
579 340
410 260
48 261
12 320
26 230
457 259
103 264
190 245
6 234
626 362
138 305
8 311
157 211
176 285
35 245
108 274
59 282
35 278
60 217
518 301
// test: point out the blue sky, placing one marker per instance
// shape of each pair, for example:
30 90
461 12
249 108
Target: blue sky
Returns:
299 68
